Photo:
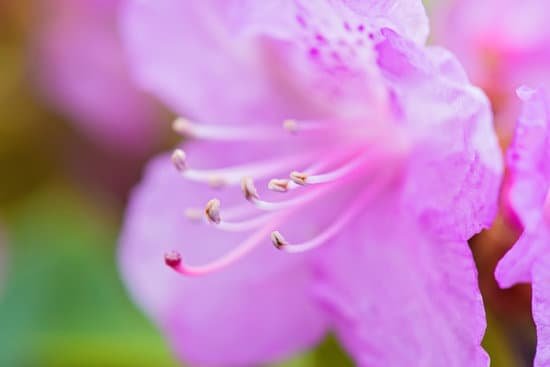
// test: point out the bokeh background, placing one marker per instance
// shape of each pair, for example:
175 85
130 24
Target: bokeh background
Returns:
62 196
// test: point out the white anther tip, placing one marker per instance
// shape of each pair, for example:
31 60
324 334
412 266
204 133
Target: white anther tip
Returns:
248 188
179 160
298 177
279 185
278 240
212 211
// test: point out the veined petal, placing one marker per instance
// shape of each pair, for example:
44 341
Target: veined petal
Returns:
455 168
259 310
400 298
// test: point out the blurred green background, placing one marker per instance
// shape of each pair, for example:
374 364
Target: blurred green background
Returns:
62 199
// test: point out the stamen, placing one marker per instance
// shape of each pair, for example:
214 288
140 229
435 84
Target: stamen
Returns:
278 239
279 185
179 160
350 213
296 201
233 175
245 225
298 178
284 185
302 178
223 133
212 211
290 126
248 188
174 259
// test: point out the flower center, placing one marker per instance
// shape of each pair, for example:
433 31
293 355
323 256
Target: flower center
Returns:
362 161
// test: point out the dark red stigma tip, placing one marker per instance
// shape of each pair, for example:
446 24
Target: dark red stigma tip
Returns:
172 259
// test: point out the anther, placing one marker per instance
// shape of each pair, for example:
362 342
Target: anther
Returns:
172 259
182 126
290 126
179 160
278 240
248 188
279 185
212 211
298 177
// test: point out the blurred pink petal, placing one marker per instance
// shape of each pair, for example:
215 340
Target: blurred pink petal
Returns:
502 43
529 166
81 69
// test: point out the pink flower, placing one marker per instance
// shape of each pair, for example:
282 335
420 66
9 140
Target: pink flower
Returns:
385 165
81 69
529 166
497 55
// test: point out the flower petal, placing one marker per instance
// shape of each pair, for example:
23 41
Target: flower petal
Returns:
529 159
407 17
401 298
541 310
455 168
258 310
516 266
279 58
82 70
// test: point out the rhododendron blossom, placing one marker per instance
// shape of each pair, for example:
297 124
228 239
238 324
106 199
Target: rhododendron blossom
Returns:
82 71
528 197
331 130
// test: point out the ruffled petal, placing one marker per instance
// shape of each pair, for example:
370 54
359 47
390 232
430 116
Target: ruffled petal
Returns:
529 159
455 168
401 298
516 266
258 310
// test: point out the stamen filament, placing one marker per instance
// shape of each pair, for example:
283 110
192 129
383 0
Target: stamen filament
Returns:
233 175
175 261
189 129
303 178
350 213
245 225
285 185
296 201
294 126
